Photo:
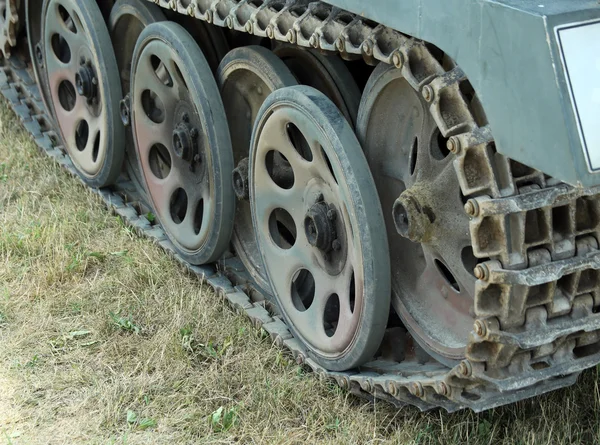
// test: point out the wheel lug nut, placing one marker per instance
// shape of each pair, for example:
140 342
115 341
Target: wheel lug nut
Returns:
185 117
331 214
194 133
336 245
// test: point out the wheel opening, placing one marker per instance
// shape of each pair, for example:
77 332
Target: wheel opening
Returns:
279 169
178 205
299 142
161 71
282 228
198 216
153 107
61 48
352 293
439 146
303 290
331 316
67 95
329 165
82 133
96 149
159 159
179 74
67 19
445 272
413 155
468 259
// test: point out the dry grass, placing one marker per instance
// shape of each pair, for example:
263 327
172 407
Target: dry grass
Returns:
104 340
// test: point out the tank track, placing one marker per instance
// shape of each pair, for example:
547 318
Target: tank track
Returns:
537 294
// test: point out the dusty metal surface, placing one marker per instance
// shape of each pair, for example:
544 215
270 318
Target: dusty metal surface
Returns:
535 299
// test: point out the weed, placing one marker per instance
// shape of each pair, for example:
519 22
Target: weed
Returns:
222 419
124 323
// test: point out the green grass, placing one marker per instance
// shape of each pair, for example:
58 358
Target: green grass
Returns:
103 340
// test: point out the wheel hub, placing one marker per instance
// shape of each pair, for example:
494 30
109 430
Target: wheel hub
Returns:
319 227
86 81
184 140
413 214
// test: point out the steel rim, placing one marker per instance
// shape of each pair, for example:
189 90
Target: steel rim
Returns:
246 77
307 227
173 143
431 290
77 88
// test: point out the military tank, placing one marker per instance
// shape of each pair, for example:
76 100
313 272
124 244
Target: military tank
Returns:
402 194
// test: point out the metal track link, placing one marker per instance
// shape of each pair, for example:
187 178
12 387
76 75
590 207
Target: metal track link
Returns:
537 290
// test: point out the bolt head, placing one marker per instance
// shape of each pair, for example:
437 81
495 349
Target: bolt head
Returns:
194 133
248 27
397 59
471 207
465 368
300 359
416 389
340 45
481 272
313 41
336 245
427 93
367 49
453 145
441 388
480 328
228 22
291 36
331 214
269 32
